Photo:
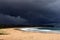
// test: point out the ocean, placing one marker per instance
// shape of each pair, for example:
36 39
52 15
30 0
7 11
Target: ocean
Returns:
43 30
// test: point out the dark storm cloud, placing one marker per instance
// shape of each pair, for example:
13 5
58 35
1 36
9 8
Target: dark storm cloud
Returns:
7 19
35 11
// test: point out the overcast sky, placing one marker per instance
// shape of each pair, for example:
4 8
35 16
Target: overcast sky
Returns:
29 12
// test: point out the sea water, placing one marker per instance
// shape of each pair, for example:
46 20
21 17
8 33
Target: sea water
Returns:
45 30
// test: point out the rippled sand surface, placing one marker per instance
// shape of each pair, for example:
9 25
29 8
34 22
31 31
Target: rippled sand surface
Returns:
22 35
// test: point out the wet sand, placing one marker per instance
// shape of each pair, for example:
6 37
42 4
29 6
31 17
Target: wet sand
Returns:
22 35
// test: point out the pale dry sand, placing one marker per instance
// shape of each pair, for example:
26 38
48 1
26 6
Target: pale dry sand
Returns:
21 35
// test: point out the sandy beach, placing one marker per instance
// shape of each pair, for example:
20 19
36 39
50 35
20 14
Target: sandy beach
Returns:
22 35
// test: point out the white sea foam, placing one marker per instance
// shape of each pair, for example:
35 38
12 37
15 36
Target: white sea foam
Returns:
39 30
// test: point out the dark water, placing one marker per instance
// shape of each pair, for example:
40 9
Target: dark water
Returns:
50 28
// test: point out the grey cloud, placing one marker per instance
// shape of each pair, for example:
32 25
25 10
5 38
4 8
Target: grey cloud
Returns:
37 3
7 19
35 11
55 7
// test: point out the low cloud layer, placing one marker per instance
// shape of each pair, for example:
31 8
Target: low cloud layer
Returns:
7 19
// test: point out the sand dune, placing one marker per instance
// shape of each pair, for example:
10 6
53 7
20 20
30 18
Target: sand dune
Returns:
22 35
